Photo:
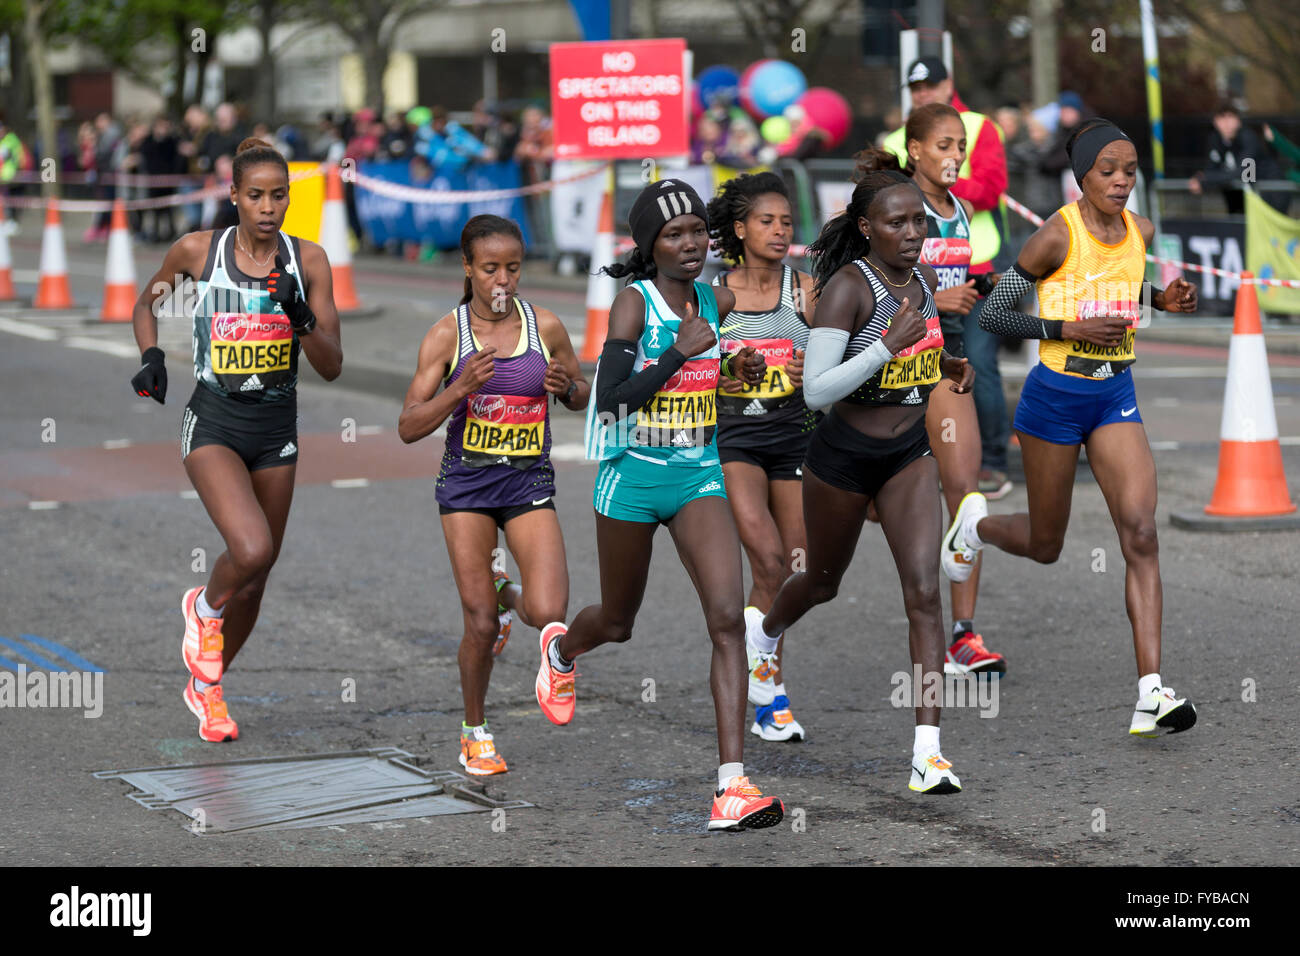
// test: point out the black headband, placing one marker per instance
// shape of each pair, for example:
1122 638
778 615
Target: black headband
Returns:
1089 143
658 204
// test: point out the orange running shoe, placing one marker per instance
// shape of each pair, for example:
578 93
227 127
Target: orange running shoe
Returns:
555 691
201 647
742 806
504 617
478 754
215 724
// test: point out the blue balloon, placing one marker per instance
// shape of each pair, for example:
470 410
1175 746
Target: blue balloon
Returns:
717 83
775 85
1290 247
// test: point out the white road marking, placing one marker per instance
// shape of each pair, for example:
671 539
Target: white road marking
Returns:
1168 402
1289 440
350 483
370 430
1164 446
42 505
117 443
28 330
569 451
189 493
120 349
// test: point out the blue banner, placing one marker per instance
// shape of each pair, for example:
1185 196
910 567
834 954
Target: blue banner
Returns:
439 224
593 18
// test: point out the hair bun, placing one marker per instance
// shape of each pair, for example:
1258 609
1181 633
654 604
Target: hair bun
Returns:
252 142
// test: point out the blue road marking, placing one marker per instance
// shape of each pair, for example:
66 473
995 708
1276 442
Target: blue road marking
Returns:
67 653
31 655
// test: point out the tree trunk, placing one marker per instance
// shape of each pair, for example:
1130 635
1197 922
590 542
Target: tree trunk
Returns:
375 57
266 68
43 86
176 103
19 103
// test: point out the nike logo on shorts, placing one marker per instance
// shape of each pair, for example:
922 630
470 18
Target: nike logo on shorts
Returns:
1129 411
541 501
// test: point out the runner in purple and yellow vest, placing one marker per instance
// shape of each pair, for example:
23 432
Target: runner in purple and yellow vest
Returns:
487 369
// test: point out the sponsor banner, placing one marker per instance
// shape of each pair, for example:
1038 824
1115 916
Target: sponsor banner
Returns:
1212 243
439 224
306 202
619 99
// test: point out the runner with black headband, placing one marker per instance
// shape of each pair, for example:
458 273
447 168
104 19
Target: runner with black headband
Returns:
1087 263
935 141
487 369
261 295
652 427
873 357
763 430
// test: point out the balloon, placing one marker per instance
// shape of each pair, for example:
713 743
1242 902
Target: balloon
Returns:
716 83
769 86
776 129
419 115
829 112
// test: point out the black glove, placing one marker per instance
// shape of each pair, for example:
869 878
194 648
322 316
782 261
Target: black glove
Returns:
983 283
283 288
151 380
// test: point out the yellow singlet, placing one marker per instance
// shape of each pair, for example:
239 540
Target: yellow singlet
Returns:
1095 279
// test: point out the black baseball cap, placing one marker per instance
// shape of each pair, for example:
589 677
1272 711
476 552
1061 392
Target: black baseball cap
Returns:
927 69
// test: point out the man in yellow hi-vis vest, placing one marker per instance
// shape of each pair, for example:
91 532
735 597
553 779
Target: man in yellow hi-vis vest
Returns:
981 180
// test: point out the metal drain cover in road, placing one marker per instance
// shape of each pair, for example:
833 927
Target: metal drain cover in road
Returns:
313 790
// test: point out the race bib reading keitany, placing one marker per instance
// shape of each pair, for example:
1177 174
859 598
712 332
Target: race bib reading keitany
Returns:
249 352
684 412
504 430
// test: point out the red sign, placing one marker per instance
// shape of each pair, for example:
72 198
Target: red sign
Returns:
619 99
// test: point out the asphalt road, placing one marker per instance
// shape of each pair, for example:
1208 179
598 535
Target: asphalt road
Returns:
363 590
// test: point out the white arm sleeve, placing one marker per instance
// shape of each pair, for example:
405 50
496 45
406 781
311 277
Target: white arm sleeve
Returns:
827 378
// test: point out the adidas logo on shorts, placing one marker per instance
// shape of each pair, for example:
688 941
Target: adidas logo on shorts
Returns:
755 408
289 449
254 384
913 398
711 486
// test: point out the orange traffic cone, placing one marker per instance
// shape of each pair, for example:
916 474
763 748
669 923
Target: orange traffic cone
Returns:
52 290
1251 482
334 240
601 288
6 263
119 274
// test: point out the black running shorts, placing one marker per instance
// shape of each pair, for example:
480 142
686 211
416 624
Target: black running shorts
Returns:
264 435
842 456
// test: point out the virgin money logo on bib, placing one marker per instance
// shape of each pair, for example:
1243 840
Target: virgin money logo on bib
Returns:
488 408
244 344
509 426
946 252
697 375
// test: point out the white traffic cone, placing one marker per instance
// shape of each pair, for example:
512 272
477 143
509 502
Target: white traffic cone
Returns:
334 240
7 293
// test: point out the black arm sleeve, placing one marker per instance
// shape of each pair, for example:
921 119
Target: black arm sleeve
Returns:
618 391
1000 317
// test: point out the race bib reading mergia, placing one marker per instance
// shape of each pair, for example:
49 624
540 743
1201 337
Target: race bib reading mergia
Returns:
503 428
950 258
684 412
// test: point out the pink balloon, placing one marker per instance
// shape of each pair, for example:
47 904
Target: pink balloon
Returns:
829 112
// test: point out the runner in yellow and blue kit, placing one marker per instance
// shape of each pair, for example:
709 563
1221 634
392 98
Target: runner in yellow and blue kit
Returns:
1087 261
653 428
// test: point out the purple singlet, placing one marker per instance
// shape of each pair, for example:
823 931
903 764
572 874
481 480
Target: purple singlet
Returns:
499 439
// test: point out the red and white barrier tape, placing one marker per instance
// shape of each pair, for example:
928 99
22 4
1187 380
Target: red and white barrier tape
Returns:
125 179
1029 214
414 194
219 191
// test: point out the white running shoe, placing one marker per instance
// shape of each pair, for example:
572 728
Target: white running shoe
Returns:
958 554
762 674
933 775
1162 709
774 721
